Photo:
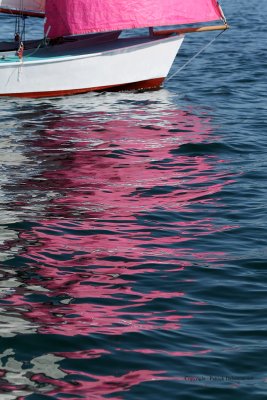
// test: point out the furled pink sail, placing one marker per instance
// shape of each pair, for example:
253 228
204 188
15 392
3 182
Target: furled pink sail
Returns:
74 17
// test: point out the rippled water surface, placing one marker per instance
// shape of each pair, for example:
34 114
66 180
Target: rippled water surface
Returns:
133 232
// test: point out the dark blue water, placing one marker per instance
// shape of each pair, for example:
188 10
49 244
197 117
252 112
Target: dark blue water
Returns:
133 232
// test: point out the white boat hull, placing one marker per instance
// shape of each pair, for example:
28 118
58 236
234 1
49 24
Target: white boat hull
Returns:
76 68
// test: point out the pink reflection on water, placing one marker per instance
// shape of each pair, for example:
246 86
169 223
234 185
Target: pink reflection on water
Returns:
98 387
170 353
85 354
87 319
118 230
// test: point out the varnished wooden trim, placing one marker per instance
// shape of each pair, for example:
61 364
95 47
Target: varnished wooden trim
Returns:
21 12
191 30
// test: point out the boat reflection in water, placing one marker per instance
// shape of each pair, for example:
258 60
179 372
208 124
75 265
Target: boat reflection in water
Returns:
112 223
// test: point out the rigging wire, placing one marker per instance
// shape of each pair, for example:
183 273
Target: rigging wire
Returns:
195 56
20 24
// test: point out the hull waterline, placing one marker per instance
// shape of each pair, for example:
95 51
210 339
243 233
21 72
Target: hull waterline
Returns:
123 64
150 84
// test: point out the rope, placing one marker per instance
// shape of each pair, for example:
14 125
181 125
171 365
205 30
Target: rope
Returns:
195 56
42 43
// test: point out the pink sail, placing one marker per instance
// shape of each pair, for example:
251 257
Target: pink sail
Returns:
75 17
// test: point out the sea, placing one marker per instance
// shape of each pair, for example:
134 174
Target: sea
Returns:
133 231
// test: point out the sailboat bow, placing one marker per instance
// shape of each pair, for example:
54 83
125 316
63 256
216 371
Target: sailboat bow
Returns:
83 50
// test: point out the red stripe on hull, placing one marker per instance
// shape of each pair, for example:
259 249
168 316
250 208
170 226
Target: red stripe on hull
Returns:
150 84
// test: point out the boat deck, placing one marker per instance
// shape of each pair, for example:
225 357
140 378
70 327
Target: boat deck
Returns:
73 49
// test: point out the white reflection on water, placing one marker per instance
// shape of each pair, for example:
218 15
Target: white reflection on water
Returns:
18 373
